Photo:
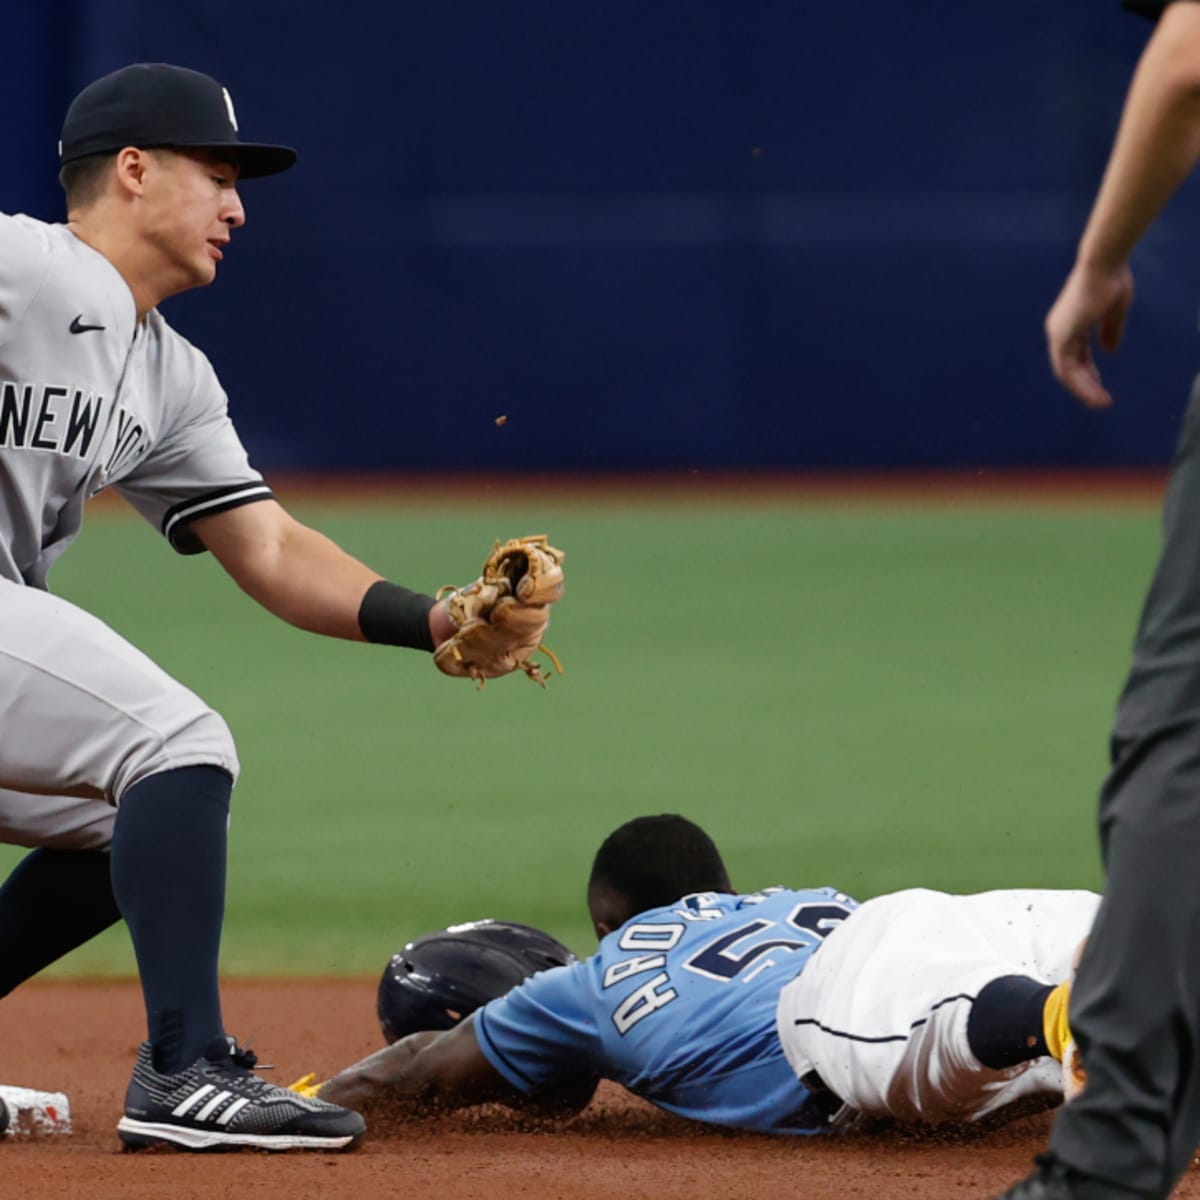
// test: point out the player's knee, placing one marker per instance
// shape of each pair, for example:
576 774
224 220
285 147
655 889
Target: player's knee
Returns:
199 738
211 736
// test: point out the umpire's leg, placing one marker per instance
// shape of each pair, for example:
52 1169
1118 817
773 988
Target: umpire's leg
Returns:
1135 1000
1135 1010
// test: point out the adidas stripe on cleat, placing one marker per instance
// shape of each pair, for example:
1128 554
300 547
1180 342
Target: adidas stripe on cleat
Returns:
218 1103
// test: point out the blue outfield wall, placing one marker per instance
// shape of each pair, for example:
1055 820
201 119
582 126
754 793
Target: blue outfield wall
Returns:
651 234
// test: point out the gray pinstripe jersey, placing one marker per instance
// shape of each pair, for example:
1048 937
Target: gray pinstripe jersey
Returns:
90 398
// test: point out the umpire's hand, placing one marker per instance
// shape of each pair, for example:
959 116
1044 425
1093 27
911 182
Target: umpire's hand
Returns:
1093 300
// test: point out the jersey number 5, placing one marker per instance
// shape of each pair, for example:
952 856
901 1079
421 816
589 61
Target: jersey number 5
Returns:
729 955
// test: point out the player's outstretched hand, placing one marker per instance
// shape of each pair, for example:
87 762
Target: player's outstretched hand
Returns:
1093 301
500 619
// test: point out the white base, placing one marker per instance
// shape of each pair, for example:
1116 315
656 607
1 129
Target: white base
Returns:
33 1114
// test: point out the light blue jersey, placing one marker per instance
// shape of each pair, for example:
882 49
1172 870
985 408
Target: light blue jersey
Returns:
678 1005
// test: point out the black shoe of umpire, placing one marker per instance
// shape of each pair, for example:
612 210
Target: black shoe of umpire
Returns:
1054 1180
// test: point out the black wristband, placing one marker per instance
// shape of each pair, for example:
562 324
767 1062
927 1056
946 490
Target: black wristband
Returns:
394 616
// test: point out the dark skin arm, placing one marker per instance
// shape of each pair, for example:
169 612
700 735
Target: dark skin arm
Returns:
431 1072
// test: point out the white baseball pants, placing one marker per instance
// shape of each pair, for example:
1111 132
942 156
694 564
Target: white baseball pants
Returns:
880 1010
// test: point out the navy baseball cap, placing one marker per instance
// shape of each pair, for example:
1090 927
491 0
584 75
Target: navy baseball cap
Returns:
156 104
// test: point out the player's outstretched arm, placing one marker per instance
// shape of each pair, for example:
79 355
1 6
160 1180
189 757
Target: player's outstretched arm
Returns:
1157 145
298 574
429 1072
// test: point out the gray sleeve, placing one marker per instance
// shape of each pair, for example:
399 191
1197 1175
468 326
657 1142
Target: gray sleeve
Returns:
197 469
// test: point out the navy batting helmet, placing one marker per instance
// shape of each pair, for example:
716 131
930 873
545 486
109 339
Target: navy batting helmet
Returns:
437 980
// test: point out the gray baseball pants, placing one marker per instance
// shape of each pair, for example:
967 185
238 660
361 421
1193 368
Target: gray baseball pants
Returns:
1135 1008
84 716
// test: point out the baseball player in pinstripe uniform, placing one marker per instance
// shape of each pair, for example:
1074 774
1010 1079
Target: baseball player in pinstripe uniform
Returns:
117 776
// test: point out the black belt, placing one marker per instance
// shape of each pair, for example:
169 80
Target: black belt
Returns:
824 1099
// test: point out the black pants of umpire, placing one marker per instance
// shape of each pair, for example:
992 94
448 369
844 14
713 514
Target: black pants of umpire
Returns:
1135 1009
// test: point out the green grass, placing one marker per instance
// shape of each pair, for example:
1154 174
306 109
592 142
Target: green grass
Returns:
866 698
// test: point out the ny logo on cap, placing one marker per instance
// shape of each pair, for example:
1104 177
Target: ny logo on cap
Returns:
229 108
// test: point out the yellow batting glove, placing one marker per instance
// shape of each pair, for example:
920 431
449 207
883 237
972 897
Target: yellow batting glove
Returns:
306 1086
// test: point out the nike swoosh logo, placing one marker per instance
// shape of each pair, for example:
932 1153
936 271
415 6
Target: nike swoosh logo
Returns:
78 327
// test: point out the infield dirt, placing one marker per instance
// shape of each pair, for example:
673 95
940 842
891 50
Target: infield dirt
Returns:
81 1038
